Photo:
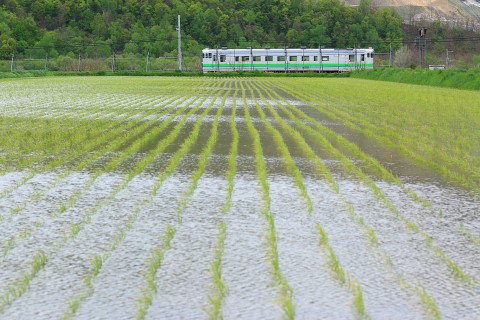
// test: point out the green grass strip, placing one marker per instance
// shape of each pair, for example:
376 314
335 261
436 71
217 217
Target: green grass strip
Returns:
350 166
427 301
75 228
219 289
157 255
286 292
185 147
283 149
474 238
203 158
96 265
57 160
343 276
458 169
146 299
78 134
335 265
112 164
232 159
21 285
154 263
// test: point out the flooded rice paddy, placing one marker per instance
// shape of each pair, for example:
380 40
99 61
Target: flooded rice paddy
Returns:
235 198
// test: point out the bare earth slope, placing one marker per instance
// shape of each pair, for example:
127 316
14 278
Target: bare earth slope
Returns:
466 11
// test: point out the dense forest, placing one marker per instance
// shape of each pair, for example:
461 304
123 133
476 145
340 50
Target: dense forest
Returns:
135 27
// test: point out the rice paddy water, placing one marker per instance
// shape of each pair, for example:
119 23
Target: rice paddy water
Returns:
238 198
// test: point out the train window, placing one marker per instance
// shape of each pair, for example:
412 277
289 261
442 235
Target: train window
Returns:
210 56
257 58
325 58
371 55
237 58
269 58
214 57
223 58
362 58
245 58
315 58
281 58
292 58
305 58
203 56
351 57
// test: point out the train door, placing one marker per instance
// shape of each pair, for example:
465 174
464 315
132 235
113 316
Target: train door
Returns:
207 61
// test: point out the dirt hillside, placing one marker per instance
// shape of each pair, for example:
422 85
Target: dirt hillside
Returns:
453 11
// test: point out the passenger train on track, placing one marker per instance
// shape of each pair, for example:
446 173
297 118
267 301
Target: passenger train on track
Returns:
286 60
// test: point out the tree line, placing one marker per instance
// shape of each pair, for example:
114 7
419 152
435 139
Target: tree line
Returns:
134 27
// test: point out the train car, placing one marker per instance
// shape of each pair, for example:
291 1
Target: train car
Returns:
286 60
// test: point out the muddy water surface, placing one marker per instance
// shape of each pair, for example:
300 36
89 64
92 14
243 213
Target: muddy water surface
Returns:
73 217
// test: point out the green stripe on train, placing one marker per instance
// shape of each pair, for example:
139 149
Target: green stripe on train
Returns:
282 65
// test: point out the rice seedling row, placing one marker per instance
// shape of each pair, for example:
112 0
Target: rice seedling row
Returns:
443 155
120 235
162 197
157 255
343 276
75 228
457 169
287 158
36 124
131 111
293 169
232 158
80 166
286 293
354 150
219 289
92 144
73 198
95 143
204 156
369 231
410 224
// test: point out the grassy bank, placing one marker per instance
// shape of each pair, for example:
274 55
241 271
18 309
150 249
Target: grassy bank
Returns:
31 74
454 78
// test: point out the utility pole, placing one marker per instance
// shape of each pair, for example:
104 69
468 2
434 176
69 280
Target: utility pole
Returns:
320 59
148 61
179 45
11 64
251 57
390 60
303 58
423 46
447 60
113 61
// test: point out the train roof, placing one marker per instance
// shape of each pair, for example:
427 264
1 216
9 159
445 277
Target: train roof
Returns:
289 50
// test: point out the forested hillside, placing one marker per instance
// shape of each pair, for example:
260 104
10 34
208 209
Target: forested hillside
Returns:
129 27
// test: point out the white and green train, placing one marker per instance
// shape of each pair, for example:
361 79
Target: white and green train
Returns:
286 60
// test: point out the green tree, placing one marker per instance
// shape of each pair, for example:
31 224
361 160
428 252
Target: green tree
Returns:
140 26
8 48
